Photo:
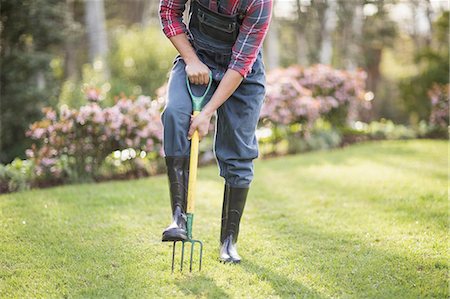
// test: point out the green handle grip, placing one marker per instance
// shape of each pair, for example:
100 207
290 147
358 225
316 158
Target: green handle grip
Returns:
197 101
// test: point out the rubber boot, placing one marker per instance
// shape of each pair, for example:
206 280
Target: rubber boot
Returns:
178 174
233 206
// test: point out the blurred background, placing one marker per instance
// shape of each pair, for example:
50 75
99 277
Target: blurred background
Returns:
83 83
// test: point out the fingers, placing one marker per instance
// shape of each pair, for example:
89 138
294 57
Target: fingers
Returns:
192 128
199 78
198 73
192 131
206 78
193 79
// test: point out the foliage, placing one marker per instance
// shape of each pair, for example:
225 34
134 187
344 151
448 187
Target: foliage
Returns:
306 109
31 31
433 64
137 67
303 95
16 176
73 91
439 97
140 60
382 129
386 129
280 140
75 143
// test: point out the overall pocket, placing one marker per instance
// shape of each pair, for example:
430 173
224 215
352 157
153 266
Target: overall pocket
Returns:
217 26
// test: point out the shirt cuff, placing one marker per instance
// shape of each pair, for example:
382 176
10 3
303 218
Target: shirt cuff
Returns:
170 31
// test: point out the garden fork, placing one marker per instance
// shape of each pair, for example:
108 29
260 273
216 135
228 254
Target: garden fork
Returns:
197 104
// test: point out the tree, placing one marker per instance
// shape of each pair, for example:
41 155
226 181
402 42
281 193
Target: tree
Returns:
31 31
433 62
378 32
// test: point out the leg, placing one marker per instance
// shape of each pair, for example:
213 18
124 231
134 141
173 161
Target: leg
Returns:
236 147
177 112
176 120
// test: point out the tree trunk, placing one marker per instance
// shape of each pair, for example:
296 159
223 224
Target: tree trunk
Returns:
329 24
272 46
302 48
316 29
96 31
300 36
354 48
429 12
70 60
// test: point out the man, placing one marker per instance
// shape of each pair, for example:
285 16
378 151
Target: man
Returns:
224 39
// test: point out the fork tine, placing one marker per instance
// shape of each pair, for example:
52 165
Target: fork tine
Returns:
192 256
182 257
200 258
173 255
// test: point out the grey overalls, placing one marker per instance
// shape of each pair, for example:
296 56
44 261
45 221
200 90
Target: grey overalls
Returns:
235 143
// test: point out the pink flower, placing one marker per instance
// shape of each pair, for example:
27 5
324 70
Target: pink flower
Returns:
92 94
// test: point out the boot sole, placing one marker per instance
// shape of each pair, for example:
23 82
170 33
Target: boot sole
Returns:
229 261
174 235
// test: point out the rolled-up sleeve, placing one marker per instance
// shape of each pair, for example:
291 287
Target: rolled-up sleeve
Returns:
251 36
171 17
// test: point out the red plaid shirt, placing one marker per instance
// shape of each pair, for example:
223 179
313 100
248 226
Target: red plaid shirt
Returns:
251 33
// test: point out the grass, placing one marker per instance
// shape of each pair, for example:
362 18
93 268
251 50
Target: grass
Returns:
367 221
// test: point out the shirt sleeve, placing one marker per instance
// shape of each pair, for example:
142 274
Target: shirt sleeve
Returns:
251 36
171 17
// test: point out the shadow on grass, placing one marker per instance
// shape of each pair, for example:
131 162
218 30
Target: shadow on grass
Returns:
282 285
201 286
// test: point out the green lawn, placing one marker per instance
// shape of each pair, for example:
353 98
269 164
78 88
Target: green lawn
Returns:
367 221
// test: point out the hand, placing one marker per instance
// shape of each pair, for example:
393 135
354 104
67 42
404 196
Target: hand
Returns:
201 123
197 72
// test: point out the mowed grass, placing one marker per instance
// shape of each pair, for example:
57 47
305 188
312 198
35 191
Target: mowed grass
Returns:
366 221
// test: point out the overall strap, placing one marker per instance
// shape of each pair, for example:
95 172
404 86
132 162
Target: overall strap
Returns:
213 5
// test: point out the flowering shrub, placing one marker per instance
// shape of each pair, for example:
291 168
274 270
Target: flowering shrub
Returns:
75 142
439 97
303 95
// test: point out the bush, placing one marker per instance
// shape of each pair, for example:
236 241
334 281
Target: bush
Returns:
386 129
298 95
16 176
74 143
439 117
279 140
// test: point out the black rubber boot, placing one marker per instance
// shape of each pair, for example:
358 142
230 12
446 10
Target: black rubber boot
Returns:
178 174
233 206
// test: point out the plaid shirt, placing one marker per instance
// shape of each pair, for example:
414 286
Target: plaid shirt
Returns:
251 33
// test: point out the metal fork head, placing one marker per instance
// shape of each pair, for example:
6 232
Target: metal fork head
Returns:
192 242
